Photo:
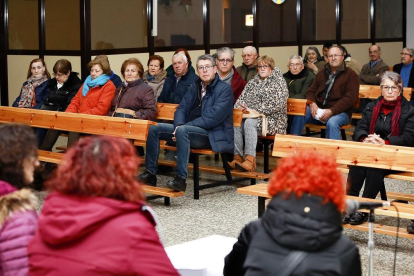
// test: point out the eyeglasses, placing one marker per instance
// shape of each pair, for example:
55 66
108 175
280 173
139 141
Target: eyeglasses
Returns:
405 54
263 66
293 65
334 56
206 67
388 88
223 61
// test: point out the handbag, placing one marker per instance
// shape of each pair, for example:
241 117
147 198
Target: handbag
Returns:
251 114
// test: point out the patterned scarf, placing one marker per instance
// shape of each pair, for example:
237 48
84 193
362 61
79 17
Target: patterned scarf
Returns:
28 95
396 105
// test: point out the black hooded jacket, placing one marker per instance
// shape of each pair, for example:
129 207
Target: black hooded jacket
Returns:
305 224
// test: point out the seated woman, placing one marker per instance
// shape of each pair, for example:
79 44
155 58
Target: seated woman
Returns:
18 219
301 226
267 94
298 78
389 120
134 99
95 220
34 90
94 97
62 88
155 75
313 60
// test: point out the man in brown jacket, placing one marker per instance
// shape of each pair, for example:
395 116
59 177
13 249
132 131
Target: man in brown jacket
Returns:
371 72
331 97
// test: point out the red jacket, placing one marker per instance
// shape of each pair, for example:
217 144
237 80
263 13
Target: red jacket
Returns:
96 236
97 101
237 84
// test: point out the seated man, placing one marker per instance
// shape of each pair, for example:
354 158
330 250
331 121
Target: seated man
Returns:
405 69
325 49
331 97
298 78
204 119
371 72
227 72
177 85
248 69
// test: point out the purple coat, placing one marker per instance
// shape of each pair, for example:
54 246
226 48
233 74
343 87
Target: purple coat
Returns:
18 223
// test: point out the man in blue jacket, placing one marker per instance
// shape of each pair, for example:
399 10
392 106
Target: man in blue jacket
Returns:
204 119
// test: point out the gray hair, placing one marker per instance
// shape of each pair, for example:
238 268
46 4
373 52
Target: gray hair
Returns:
411 50
206 57
250 49
396 78
225 50
295 57
180 55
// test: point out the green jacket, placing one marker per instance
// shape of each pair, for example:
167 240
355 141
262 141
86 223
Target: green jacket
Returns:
247 73
299 84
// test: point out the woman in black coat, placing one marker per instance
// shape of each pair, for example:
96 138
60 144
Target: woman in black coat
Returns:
389 120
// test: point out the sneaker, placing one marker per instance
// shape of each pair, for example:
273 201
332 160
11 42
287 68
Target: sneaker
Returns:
346 218
177 184
358 218
410 228
148 178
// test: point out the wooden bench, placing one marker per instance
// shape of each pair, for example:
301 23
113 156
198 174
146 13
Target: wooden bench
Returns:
165 112
82 123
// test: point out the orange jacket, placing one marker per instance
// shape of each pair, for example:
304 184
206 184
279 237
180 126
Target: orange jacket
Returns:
97 101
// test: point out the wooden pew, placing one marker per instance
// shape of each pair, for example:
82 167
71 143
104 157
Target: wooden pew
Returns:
88 124
166 112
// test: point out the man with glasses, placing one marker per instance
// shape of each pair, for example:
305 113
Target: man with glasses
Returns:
248 69
204 119
405 69
331 96
298 78
227 72
371 72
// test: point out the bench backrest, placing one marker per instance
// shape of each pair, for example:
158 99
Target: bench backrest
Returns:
83 123
296 107
166 112
348 152
374 91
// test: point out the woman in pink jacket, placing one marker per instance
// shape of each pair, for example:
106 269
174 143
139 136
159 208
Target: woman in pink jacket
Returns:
95 220
18 219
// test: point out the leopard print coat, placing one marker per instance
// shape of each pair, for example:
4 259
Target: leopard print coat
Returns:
268 97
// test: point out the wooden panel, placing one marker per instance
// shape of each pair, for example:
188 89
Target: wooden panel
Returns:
166 111
349 152
374 91
237 117
296 107
83 123
161 191
48 156
381 229
256 190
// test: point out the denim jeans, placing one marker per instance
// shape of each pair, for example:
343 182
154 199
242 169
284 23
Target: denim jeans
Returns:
333 126
186 137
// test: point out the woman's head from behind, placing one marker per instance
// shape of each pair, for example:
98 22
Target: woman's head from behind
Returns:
155 65
265 65
98 67
391 86
18 154
100 166
61 70
309 173
37 68
132 69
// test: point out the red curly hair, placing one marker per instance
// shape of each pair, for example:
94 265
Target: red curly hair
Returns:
100 166
309 172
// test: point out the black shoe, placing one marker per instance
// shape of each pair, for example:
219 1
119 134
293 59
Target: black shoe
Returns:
346 218
178 184
410 228
358 218
148 178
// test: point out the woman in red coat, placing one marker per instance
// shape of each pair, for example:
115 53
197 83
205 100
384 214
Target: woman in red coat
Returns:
95 220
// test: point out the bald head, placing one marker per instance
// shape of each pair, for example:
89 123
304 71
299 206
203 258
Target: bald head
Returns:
374 52
249 55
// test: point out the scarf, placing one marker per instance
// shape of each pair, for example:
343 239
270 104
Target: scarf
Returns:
302 74
90 83
6 188
150 77
28 94
396 105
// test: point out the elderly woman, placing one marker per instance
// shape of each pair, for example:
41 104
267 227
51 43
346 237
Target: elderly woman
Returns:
95 217
389 120
155 75
301 226
34 91
18 219
134 99
313 60
298 77
266 94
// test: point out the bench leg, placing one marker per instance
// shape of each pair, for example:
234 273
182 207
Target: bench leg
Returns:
308 133
196 173
226 166
252 181
266 155
261 206
167 201
383 193
343 134
323 133
216 157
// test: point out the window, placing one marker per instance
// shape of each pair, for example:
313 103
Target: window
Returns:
117 24
389 19
228 21
62 21
318 20
23 25
355 23
180 23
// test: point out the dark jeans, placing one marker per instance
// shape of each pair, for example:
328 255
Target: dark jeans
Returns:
186 137
374 181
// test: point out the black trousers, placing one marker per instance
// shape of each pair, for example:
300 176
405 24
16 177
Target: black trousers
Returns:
374 181
52 136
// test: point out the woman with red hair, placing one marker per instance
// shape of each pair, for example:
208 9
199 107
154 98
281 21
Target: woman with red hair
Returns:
302 220
95 221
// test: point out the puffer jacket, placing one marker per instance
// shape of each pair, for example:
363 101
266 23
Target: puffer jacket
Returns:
157 84
18 223
268 97
137 96
173 91
303 224
216 113
97 101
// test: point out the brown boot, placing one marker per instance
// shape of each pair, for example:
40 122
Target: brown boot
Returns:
236 159
249 165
